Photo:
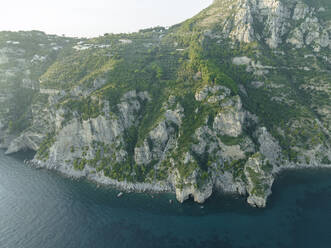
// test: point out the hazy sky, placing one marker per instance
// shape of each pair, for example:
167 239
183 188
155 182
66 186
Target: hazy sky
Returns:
94 17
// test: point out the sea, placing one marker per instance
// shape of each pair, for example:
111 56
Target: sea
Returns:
43 209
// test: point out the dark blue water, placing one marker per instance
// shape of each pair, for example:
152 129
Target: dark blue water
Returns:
41 209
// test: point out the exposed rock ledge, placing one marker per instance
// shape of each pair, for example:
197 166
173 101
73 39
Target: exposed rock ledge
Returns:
100 178
222 183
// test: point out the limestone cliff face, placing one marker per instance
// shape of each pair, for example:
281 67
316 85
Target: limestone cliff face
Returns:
222 102
259 180
79 147
275 22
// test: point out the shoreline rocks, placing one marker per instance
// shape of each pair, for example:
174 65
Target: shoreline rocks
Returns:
198 196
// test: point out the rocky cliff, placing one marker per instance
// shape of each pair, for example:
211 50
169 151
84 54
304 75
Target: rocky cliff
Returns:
224 101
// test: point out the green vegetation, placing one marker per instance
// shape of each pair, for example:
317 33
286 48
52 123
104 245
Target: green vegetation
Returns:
231 141
79 164
290 100
43 152
85 107
236 167
326 160
259 186
19 115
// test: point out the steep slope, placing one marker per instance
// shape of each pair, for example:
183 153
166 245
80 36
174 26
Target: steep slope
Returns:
224 101
24 57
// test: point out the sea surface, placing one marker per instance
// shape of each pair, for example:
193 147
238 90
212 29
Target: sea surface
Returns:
42 209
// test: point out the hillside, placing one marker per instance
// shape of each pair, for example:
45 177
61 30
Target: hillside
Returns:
223 101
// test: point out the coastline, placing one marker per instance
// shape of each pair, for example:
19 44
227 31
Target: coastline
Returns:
226 187
163 187
100 179
300 200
